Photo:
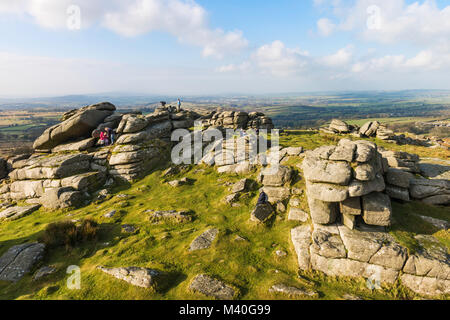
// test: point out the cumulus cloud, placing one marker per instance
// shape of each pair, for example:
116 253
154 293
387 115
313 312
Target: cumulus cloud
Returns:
341 58
275 58
186 20
388 22
325 27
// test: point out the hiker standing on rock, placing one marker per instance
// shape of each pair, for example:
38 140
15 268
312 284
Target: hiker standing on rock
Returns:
179 105
113 136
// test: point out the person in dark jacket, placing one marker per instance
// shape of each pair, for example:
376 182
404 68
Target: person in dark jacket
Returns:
263 198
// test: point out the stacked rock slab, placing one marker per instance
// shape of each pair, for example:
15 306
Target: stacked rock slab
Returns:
238 120
348 179
404 181
371 253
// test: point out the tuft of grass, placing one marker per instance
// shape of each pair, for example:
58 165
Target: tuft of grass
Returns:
68 234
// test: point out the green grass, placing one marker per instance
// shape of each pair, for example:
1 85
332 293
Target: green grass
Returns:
252 266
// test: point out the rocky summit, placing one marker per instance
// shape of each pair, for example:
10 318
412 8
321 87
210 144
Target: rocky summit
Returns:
233 216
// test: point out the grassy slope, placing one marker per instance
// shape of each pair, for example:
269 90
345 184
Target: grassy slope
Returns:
250 266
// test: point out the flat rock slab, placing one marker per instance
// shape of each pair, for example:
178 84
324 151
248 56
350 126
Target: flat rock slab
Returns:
205 240
211 287
17 212
297 214
139 277
19 260
169 216
293 291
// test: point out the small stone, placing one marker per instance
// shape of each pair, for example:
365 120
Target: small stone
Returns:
292 291
349 221
205 240
128 228
43 272
281 253
110 214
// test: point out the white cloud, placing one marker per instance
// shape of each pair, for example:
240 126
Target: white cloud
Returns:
186 20
393 21
325 27
339 59
278 60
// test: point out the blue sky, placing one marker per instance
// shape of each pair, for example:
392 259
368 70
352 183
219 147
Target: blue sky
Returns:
56 47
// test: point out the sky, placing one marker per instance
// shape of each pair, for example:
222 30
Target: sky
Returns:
187 47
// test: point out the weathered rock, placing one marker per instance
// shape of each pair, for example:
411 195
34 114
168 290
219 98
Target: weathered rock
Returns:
397 193
365 172
262 213
369 129
297 214
352 268
361 188
294 151
128 228
241 186
110 214
14 213
80 124
327 192
44 272
82 145
438 223
205 240
211 287
316 170
365 151
339 126
293 291
322 212
276 176
377 209
170 216
301 239
429 263
327 242
349 220
276 194
140 277
398 178
19 260
59 198
424 188
426 286
351 206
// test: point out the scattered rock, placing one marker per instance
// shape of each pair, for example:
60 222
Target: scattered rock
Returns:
140 277
171 216
128 228
205 240
211 287
44 272
293 291
19 260
110 214
14 213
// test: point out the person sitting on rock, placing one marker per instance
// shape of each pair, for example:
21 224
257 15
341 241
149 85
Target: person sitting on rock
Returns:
106 137
102 138
263 198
